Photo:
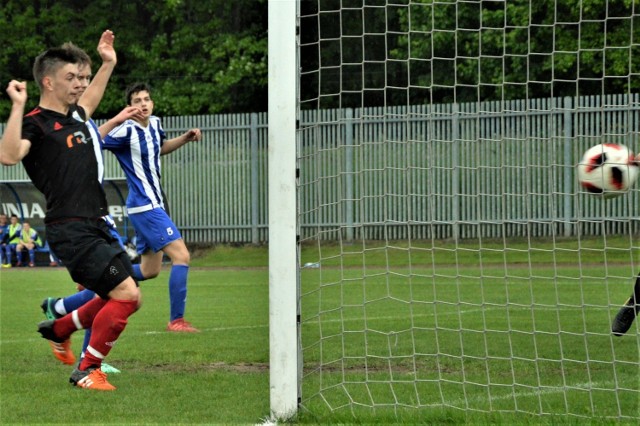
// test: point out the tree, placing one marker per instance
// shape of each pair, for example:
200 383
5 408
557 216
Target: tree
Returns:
377 52
200 57
518 49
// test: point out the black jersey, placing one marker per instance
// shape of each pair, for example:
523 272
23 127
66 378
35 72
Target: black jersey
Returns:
65 163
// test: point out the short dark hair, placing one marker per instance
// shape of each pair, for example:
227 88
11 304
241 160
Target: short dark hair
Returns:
51 60
135 88
83 57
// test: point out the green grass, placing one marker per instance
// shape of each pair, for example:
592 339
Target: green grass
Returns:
386 328
217 376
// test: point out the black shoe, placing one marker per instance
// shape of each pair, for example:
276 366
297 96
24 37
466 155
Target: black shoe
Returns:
624 318
46 329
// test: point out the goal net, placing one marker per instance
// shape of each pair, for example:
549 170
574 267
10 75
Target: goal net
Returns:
448 257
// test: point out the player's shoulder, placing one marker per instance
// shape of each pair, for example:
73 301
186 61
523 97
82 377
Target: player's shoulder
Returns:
155 121
37 115
38 122
78 113
123 129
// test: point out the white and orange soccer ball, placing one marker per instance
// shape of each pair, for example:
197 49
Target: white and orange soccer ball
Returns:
608 169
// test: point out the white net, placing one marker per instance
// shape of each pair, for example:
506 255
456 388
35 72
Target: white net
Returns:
449 257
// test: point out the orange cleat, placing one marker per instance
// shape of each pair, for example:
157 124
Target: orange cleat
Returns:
63 351
92 378
61 348
179 325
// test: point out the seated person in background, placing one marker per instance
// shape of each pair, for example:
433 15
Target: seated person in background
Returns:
12 240
29 240
4 228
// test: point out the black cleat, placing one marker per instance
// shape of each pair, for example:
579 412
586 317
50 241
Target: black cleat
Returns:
624 318
48 309
46 329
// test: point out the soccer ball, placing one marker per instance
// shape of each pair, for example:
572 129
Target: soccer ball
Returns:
608 169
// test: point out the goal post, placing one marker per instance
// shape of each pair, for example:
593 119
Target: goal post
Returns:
283 334
430 248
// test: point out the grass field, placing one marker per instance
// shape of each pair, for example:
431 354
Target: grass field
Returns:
522 328
217 376
514 318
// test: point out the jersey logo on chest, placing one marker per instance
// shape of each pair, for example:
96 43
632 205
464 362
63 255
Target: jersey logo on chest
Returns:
76 138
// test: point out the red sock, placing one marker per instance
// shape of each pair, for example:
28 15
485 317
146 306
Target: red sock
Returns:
107 326
63 327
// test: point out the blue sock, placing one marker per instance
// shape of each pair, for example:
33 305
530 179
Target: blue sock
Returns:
178 290
32 256
85 342
73 302
137 273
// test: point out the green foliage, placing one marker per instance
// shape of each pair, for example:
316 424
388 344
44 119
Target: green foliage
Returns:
451 51
201 57
211 57
509 50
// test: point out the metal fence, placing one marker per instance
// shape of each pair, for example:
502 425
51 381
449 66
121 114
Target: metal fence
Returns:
493 170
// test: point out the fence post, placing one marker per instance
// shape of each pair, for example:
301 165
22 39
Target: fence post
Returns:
254 178
568 165
348 169
455 164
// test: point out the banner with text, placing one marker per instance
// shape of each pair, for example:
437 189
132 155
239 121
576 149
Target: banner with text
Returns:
25 201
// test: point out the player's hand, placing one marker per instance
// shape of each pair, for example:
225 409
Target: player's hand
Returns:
17 91
105 47
130 112
193 135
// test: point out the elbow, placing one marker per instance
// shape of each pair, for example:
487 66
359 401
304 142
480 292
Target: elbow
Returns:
7 161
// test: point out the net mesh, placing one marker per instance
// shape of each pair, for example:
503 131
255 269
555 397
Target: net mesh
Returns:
449 257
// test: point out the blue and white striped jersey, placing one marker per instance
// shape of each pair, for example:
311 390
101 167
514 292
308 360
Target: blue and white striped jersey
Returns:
137 148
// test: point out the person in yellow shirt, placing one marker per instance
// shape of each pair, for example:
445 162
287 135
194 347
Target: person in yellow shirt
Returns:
29 240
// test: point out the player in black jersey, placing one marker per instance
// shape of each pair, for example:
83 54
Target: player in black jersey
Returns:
60 151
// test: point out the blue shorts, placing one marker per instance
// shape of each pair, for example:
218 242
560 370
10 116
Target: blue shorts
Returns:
154 230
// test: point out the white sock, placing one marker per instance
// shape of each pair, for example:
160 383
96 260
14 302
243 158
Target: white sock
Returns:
59 307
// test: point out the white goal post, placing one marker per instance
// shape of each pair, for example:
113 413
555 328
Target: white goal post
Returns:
283 232
429 245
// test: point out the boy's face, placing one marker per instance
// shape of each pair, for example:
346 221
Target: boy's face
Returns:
84 75
65 84
142 100
14 220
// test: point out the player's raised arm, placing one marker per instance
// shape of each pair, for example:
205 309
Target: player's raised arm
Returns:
171 145
12 147
93 95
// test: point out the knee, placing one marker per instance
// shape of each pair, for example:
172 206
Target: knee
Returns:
138 299
134 295
182 258
150 273
127 290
